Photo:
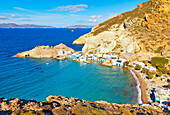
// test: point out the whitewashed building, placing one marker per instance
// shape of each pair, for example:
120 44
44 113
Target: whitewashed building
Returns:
68 52
150 68
60 52
138 63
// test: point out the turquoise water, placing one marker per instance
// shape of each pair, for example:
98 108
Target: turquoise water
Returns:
30 78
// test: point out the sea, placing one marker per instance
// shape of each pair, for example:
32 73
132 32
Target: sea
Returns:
30 78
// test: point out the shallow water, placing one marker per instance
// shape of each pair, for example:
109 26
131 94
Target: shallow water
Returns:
30 78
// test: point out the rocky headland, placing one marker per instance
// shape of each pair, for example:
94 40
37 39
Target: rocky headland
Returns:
59 105
46 51
143 31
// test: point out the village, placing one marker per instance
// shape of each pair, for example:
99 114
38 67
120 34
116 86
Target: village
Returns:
158 94
155 91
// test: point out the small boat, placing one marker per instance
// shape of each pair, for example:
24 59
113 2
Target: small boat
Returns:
59 59
74 59
47 63
72 30
88 62
107 65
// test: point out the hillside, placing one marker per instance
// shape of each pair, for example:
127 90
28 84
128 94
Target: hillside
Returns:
13 25
143 30
59 105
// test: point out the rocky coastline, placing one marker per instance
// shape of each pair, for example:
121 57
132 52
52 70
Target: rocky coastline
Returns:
59 105
45 52
57 51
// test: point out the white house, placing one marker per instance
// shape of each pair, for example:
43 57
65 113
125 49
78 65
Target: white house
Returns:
68 52
82 58
60 52
106 56
120 61
150 68
113 57
137 63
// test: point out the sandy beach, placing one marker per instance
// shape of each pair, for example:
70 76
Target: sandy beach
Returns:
143 86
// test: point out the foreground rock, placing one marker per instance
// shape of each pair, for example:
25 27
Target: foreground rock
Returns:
56 105
47 51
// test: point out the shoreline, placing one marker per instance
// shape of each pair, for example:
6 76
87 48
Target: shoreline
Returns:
143 86
139 94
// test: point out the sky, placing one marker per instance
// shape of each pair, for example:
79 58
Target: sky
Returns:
63 13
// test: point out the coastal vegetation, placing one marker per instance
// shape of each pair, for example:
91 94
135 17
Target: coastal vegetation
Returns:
150 75
138 67
160 63
144 70
159 60
159 74
126 63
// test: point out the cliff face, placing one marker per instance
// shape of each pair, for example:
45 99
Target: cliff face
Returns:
144 30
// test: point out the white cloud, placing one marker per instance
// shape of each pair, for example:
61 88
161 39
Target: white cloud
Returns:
13 15
3 17
18 8
71 8
92 20
23 9
95 16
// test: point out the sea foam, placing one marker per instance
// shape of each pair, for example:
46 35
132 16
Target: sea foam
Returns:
138 87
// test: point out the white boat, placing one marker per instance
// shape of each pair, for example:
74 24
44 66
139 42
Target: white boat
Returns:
59 59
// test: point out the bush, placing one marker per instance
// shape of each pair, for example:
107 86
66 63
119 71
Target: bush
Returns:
130 66
121 50
138 67
159 49
163 70
159 60
126 63
144 61
150 76
144 70
169 85
159 74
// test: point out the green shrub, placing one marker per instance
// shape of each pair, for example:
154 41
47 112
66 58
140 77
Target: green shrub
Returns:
126 63
159 63
158 60
138 67
144 61
130 66
121 50
98 45
163 69
159 74
150 76
159 49
169 85
144 70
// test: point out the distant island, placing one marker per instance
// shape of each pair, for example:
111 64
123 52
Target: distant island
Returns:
13 25
80 26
